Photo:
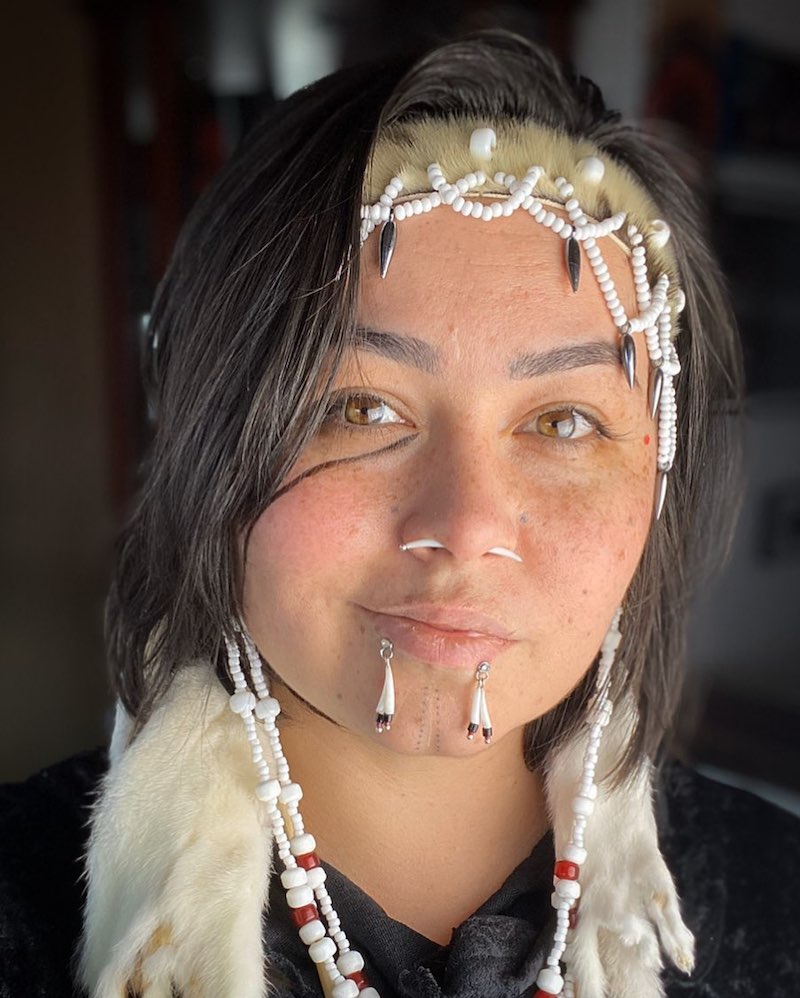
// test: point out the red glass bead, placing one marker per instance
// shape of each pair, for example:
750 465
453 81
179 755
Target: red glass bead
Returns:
543 994
565 870
302 916
358 979
308 860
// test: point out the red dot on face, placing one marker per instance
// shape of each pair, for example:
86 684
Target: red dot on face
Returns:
646 439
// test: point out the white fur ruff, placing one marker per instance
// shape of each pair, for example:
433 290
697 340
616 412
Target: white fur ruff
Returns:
179 864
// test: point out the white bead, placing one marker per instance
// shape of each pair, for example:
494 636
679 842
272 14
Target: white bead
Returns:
499 178
267 709
482 143
462 186
568 889
497 209
368 993
450 195
291 792
458 203
427 204
560 903
295 876
302 844
311 932
345 989
322 950
298 897
242 702
316 877
400 213
466 208
375 212
574 854
268 790
659 233
350 963
591 168
589 790
486 214
550 980
580 805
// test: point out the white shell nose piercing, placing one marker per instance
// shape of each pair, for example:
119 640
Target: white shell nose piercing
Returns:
430 542
423 542
505 553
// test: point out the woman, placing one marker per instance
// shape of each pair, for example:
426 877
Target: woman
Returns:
427 491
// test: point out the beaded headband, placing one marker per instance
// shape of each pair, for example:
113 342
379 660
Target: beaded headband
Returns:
600 198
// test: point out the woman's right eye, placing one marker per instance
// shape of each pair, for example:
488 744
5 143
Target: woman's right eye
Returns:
361 409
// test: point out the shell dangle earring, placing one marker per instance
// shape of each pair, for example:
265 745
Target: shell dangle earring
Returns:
479 714
384 712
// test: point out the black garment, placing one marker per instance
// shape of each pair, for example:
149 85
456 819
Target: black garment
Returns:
735 858
496 953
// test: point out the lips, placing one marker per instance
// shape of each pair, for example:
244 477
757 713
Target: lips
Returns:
452 637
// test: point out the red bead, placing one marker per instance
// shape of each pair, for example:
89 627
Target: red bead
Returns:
573 917
566 870
543 994
308 860
302 916
358 978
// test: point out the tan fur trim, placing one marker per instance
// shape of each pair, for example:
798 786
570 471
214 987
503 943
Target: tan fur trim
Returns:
406 151
178 859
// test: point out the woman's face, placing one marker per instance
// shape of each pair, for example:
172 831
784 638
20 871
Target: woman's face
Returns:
486 409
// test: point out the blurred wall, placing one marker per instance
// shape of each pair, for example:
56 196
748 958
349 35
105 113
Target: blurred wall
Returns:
54 510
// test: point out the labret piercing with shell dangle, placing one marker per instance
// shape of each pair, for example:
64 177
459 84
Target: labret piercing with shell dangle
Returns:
479 715
384 712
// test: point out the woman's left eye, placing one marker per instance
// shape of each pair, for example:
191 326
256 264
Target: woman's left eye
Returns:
564 424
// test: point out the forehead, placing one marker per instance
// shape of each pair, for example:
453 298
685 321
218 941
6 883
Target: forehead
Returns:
503 278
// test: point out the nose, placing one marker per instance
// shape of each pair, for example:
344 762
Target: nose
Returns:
462 505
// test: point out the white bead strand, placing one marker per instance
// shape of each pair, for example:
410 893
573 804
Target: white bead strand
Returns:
319 929
567 889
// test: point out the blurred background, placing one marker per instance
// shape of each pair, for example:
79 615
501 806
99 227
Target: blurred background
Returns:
117 113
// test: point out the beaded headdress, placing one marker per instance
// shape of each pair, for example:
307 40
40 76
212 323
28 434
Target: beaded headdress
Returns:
568 187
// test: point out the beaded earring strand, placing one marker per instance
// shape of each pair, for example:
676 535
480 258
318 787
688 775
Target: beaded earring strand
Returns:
303 876
567 889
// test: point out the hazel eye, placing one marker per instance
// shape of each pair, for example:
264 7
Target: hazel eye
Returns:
367 410
565 424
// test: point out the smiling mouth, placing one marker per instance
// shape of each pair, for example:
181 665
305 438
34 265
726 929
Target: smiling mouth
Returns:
454 639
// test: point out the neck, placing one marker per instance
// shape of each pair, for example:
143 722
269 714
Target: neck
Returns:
385 820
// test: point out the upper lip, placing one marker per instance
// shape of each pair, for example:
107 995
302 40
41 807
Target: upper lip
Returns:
458 618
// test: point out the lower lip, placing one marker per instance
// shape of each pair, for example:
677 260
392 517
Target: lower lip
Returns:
449 649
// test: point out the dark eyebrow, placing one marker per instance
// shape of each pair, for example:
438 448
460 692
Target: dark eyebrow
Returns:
532 365
404 349
418 353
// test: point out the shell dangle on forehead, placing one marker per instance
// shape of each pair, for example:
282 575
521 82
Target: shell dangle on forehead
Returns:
574 197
